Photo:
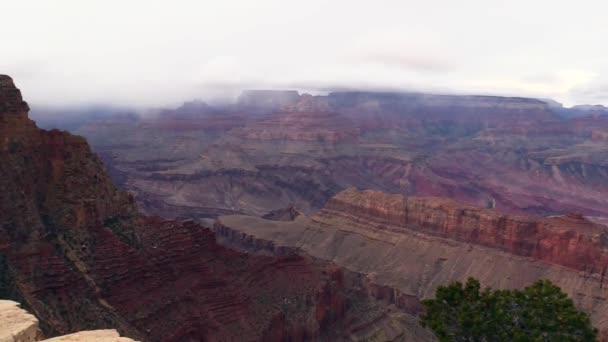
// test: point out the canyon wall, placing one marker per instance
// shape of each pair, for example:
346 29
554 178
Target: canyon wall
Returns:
406 247
569 240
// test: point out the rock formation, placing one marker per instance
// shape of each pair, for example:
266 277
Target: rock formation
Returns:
408 246
18 325
272 148
288 214
107 335
569 240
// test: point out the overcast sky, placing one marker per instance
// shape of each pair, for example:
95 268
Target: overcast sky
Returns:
151 53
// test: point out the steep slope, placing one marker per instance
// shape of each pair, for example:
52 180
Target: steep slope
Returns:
570 240
75 251
408 246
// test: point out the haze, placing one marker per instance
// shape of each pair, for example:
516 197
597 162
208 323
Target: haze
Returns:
152 53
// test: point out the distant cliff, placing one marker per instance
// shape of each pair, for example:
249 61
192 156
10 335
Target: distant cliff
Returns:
570 240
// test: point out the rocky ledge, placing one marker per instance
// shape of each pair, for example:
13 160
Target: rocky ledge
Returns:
18 325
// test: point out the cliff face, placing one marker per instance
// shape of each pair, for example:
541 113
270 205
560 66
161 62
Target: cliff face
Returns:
570 240
75 251
53 185
302 126
309 119
406 247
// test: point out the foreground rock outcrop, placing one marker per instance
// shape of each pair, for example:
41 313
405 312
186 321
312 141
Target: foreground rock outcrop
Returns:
406 247
107 335
18 325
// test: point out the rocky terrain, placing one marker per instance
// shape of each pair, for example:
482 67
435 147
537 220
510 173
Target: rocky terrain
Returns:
408 246
77 254
17 325
272 148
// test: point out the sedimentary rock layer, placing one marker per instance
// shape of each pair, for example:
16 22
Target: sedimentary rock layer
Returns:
407 247
569 240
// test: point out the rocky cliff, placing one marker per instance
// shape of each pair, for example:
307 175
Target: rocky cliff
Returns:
406 247
18 325
569 240
76 253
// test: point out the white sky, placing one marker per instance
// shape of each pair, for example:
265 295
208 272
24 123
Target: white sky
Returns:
150 53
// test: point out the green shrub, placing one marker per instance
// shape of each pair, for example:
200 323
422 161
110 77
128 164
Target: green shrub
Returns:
540 312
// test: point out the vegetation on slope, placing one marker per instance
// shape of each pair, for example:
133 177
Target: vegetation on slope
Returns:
540 312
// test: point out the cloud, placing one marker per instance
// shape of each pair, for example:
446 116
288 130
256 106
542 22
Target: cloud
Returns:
542 78
151 53
594 93
409 61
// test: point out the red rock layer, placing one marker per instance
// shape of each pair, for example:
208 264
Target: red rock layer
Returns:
302 126
571 240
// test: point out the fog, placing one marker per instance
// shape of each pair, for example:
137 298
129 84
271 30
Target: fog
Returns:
160 53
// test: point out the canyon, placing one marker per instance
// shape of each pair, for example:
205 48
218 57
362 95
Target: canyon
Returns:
289 217
77 254
272 148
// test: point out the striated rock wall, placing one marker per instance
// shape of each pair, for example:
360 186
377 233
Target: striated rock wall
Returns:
107 335
405 247
300 125
571 240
